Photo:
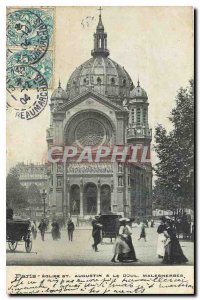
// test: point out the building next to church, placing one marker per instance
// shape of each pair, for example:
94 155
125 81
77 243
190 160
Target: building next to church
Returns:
34 177
31 173
99 106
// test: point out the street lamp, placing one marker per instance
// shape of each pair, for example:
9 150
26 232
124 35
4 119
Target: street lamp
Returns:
44 194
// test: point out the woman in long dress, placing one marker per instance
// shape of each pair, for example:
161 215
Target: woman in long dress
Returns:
173 252
123 248
161 239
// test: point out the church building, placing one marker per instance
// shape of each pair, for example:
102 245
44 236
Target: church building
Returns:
99 106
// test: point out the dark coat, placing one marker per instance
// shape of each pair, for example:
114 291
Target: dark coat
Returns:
96 231
42 226
70 226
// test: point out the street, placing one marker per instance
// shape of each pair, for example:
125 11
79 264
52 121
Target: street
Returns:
80 252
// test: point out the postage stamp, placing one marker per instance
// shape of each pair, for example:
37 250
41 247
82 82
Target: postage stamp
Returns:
26 101
30 59
23 57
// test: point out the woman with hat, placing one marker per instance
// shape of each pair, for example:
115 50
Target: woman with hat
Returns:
173 252
161 238
124 249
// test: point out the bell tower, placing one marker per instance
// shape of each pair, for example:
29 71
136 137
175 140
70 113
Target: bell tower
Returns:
138 128
139 134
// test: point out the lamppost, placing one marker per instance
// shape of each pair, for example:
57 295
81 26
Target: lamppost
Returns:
44 194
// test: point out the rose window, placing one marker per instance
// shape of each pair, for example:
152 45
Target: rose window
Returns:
90 132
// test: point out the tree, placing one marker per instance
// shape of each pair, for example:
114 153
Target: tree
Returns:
163 198
175 150
16 194
34 196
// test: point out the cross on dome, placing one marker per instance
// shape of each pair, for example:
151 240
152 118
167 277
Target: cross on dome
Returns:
100 9
138 82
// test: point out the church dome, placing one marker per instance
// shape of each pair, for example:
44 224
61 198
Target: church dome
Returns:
100 73
59 93
138 92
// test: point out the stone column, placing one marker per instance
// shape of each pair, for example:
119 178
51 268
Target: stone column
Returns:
68 198
98 197
64 191
81 197
141 115
112 196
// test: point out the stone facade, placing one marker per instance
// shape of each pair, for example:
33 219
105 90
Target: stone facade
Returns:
33 174
100 106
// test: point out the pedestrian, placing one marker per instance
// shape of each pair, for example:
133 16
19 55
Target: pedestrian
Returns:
96 233
42 227
173 252
161 238
123 248
70 229
152 223
143 232
34 229
55 231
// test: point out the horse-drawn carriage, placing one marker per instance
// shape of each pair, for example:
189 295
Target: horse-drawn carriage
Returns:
110 224
18 231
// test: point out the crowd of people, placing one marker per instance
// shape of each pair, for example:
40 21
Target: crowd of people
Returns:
55 229
168 247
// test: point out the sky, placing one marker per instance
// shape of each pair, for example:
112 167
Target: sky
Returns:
154 43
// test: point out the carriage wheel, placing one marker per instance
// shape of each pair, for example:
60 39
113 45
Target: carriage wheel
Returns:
28 244
12 245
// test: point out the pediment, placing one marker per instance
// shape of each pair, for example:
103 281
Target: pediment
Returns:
90 95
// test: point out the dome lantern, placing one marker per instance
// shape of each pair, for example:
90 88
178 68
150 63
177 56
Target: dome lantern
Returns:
100 40
100 73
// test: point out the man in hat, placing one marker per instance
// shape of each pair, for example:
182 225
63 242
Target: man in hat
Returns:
42 228
96 232
70 229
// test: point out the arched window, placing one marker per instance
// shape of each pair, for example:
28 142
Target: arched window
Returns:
75 199
98 80
133 115
112 81
144 115
124 82
138 115
105 199
74 82
90 199
84 80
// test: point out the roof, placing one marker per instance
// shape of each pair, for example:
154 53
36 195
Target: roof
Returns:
138 92
59 93
103 75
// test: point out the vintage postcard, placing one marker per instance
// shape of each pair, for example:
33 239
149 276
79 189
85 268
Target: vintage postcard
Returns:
100 150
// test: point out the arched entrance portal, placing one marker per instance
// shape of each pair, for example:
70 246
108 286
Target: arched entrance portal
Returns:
90 199
75 199
105 199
